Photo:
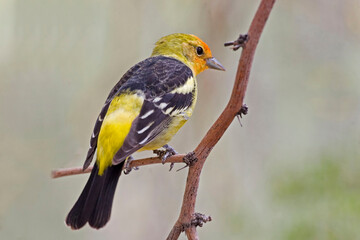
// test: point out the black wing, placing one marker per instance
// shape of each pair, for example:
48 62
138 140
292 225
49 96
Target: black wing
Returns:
94 137
157 83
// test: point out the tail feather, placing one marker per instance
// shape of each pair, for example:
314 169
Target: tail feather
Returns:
76 217
101 214
95 201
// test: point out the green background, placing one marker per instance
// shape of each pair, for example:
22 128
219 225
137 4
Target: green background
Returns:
291 171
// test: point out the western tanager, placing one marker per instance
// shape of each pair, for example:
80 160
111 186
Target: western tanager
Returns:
143 111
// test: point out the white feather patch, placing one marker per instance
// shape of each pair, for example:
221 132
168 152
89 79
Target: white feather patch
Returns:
179 111
167 112
163 105
157 99
144 141
147 114
145 128
186 88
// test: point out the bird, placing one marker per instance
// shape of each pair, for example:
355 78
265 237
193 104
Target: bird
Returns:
143 111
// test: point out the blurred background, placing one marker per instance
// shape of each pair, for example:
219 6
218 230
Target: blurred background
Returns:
291 172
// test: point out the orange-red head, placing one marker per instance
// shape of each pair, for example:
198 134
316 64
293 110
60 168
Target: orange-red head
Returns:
189 49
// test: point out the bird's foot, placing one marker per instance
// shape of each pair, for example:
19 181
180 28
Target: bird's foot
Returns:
189 160
165 154
243 111
127 168
238 43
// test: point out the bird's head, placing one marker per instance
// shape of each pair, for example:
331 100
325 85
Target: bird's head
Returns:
189 49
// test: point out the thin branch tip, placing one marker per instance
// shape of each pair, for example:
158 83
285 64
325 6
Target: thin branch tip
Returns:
240 42
134 164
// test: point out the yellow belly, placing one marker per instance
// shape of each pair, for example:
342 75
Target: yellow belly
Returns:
165 137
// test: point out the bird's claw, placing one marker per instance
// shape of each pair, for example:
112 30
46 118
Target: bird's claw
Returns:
165 154
238 43
168 153
127 168
171 166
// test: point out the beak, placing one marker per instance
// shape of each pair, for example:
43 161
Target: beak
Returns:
214 64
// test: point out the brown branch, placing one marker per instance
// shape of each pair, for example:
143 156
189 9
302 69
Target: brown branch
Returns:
188 220
62 172
222 123
135 163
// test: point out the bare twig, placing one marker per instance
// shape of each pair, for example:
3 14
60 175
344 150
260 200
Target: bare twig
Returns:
135 163
238 43
62 172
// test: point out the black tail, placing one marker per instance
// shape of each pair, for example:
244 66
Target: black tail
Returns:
95 202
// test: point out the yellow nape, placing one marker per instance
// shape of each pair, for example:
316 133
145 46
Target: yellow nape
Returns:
116 126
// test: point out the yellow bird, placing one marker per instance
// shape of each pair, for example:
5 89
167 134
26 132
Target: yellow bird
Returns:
143 111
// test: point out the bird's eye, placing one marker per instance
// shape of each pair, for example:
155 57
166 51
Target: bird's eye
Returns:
199 51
